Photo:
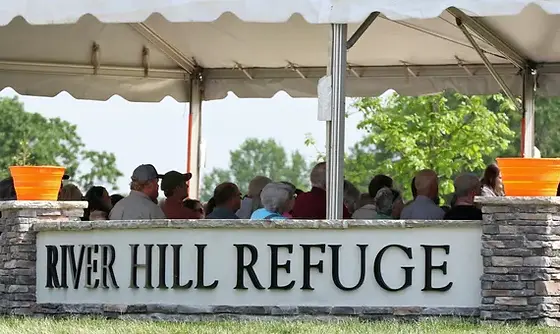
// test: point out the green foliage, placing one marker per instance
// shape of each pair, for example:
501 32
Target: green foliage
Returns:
31 139
258 157
447 132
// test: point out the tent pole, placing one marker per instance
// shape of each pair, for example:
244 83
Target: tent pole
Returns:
194 136
489 65
528 126
335 171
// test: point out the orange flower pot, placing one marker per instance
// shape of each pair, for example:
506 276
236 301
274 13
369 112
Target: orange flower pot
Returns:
530 176
37 183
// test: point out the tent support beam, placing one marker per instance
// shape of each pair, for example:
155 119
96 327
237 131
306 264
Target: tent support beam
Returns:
479 28
489 65
528 120
335 170
361 30
194 135
162 45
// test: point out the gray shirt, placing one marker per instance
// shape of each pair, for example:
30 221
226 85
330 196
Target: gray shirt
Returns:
422 208
136 205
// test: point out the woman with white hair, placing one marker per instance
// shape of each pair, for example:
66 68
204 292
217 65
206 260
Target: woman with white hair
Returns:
252 201
276 198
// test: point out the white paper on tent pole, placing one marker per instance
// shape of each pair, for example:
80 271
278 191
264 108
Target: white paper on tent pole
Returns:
324 93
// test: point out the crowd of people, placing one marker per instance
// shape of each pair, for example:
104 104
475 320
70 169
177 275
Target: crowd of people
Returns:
267 199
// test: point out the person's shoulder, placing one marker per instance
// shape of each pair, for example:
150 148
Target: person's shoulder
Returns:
259 213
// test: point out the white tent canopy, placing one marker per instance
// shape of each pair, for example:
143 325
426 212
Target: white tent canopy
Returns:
146 50
196 50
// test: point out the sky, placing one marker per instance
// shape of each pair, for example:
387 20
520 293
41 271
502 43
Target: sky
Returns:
156 133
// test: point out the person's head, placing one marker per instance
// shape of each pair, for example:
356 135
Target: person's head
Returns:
115 198
278 197
70 192
493 178
318 176
195 207
351 196
379 181
256 186
174 184
65 177
7 190
254 191
467 187
413 188
227 195
426 183
384 201
365 199
145 179
98 200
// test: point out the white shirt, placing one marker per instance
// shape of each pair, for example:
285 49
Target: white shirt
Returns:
136 206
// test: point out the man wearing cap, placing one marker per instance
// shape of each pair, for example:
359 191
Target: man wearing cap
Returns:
141 202
175 188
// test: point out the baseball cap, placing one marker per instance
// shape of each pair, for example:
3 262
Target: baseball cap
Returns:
173 179
144 173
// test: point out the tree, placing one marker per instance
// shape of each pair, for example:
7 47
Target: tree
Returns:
30 138
547 128
258 157
447 132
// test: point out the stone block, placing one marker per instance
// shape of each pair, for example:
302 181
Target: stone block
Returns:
18 288
507 261
496 270
404 311
542 237
515 285
284 310
522 252
495 277
547 288
490 229
161 308
537 261
514 301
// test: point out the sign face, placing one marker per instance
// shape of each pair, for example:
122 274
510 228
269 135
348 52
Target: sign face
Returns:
431 267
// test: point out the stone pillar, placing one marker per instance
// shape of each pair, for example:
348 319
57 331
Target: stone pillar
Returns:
521 258
18 248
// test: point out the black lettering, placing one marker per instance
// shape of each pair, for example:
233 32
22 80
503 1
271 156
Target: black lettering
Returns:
107 261
307 264
91 267
407 270
274 266
63 266
76 268
429 267
52 261
177 269
162 266
200 270
336 267
241 266
134 266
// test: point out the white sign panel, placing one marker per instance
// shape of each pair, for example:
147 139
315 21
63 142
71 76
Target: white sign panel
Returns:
431 267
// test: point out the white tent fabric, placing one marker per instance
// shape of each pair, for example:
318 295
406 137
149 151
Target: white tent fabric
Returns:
148 49
270 11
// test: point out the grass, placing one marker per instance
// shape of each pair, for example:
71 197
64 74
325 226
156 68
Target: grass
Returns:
94 326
